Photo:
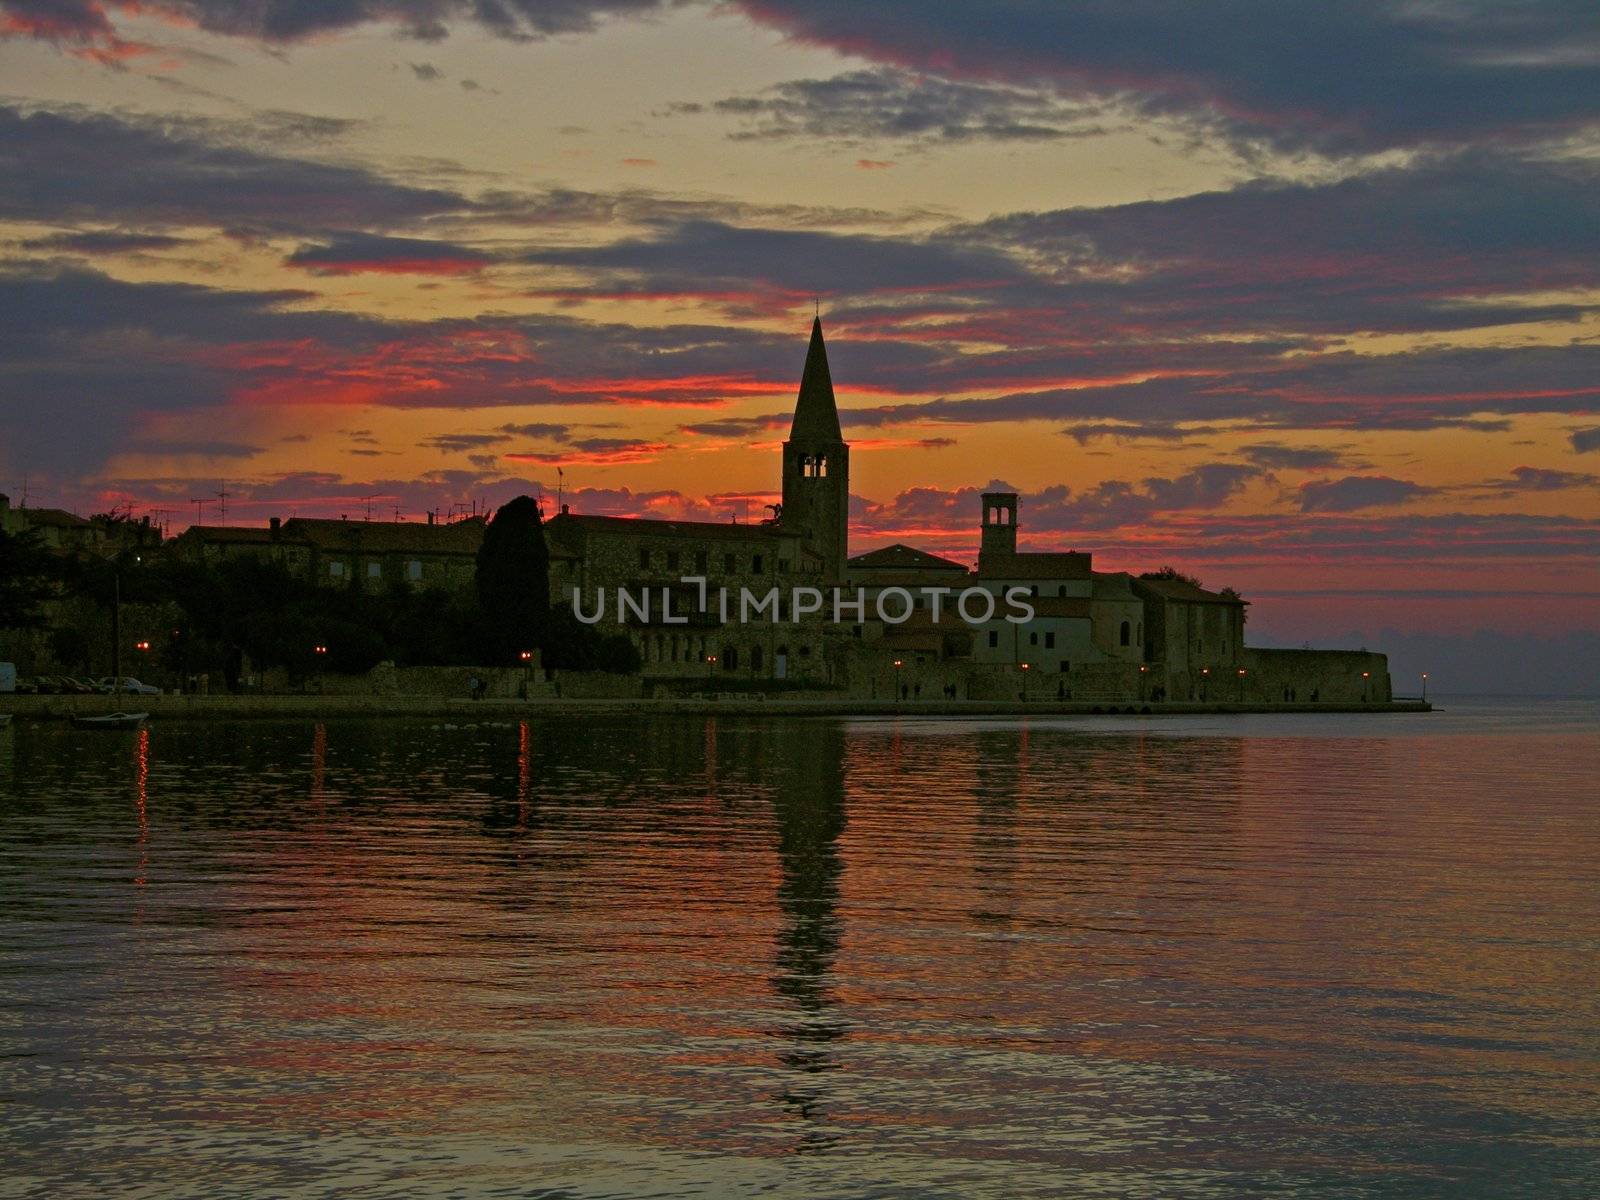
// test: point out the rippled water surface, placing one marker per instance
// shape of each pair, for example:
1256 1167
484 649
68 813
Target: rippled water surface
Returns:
1339 956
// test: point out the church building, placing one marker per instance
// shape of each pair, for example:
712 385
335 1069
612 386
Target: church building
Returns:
804 543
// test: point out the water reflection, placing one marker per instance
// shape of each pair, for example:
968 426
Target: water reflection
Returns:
734 956
810 810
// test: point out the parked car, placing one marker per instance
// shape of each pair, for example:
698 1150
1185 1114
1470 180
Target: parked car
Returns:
80 685
130 685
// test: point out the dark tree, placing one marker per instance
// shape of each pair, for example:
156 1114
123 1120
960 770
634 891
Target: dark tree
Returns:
514 581
1172 573
27 579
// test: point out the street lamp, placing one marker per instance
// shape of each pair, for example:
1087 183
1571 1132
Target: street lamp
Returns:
1366 679
1205 678
1026 667
1241 684
1142 677
711 665
1424 685
898 663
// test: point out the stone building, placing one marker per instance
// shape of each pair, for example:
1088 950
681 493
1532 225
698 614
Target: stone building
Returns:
333 553
687 630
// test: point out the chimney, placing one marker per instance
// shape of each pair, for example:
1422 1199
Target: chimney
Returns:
276 526
565 509
430 516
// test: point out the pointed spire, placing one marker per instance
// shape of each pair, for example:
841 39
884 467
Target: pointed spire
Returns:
816 418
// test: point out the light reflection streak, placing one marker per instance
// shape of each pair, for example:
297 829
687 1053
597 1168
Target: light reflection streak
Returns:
141 787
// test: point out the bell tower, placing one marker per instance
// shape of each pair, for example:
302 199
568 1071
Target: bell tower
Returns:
816 465
999 528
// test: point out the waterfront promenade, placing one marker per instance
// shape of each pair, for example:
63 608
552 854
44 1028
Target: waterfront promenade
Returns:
325 706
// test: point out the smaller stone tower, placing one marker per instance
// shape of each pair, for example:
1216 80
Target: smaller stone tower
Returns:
999 528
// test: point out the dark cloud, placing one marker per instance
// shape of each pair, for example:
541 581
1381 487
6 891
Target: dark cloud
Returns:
1355 492
739 427
1277 456
426 72
1337 77
1541 479
699 257
103 242
356 253
1584 440
457 442
1113 504
545 430
199 449
277 21
886 103
62 166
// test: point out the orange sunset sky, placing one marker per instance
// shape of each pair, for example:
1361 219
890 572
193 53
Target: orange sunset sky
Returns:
1300 298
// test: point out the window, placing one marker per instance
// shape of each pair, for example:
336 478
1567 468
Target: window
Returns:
374 570
730 563
1033 639
730 658
1126 633
805 651
1034 590
336 570
783 566
644 558
755 564
1050 641
994 638
413 570
1065 666
1062 590
672 560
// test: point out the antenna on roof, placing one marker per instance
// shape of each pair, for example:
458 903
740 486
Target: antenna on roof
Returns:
368 501
222 498
199 503
397 514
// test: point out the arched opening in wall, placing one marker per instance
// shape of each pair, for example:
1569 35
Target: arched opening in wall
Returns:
755 660
780 663
730 658
822 466
1126 634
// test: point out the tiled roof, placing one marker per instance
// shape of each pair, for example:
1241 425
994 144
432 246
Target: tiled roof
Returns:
903 558
230 533
57 517
386 537
649 527
1070 564
1181 589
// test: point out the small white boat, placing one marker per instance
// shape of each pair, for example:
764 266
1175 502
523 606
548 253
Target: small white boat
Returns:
116 720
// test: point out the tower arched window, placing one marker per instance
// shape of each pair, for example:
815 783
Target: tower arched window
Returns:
1127 633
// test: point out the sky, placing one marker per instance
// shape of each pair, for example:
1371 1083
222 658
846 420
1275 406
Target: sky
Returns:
1302 299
